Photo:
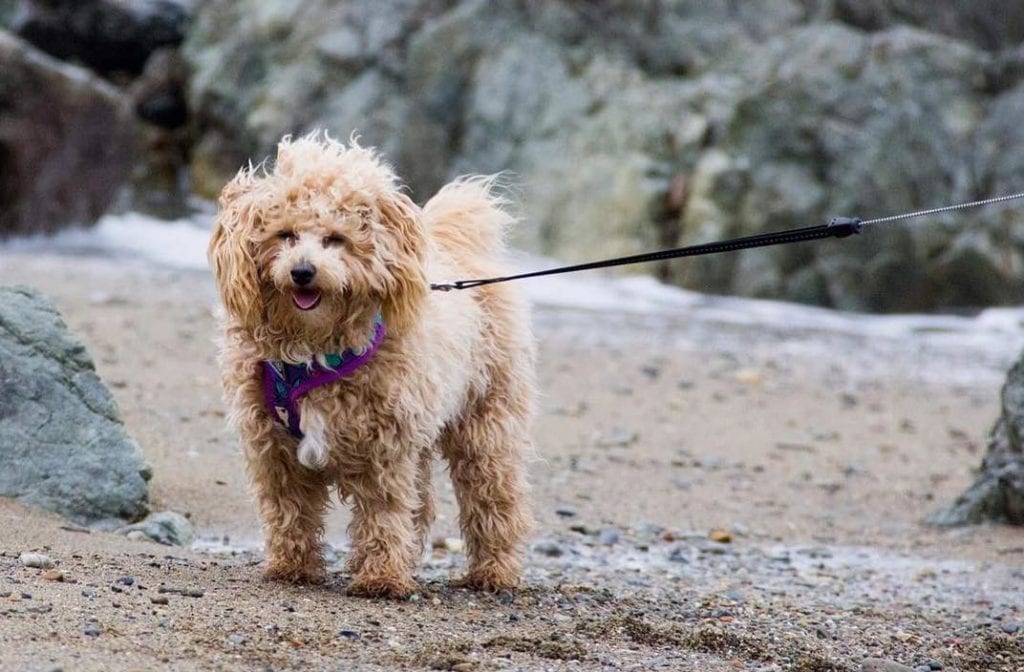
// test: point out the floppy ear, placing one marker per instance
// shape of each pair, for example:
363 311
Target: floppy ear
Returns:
403 241
230 252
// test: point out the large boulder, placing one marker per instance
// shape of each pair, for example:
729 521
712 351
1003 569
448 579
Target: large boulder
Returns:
63 447
998 493
108 36
66 141
629 125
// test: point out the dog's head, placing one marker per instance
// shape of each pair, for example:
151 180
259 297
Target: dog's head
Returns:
323 236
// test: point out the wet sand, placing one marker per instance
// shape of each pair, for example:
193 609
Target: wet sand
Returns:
654 432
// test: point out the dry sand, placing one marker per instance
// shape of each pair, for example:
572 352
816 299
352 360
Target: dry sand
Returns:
820 471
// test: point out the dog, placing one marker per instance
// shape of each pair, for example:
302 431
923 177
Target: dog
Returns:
344 372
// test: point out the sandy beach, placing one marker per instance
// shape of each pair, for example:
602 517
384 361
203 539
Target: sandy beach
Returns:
713 490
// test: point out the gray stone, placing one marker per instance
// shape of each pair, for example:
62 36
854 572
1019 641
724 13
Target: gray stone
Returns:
66 141
166 527
879 665
36 560
998 492
550 548
63 447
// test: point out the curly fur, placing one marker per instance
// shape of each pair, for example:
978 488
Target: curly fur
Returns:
454 375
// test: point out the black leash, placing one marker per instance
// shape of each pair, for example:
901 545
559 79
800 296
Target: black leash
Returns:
838 227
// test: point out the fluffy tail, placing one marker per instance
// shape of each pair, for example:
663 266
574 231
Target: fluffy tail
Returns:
468 219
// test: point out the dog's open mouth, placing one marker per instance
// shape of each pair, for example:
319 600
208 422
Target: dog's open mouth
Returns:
306 299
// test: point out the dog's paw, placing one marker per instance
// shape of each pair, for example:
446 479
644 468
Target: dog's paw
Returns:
391 587
292 574
488 582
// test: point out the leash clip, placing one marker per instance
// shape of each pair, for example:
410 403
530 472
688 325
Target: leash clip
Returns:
845 226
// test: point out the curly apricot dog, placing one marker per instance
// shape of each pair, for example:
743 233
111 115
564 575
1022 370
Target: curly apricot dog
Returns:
342 370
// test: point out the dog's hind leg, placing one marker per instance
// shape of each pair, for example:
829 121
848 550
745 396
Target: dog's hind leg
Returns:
423 516
485 450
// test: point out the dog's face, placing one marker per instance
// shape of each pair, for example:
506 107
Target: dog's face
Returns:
324 237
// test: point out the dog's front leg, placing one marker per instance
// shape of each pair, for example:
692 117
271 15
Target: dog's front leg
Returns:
292 501
383 532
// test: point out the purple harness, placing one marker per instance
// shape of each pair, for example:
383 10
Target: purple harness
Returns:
284 384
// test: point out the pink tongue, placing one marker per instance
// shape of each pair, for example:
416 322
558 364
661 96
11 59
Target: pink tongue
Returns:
306 299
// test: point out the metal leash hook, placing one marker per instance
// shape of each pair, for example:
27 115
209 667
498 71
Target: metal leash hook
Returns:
846 226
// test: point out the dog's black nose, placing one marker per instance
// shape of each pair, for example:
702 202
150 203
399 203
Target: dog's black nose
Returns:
303 274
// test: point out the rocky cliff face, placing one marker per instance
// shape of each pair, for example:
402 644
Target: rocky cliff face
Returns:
66 143
633 125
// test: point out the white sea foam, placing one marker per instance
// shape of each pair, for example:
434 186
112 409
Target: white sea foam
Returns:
179 244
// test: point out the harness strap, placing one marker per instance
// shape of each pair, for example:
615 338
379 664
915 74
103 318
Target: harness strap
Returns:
284 384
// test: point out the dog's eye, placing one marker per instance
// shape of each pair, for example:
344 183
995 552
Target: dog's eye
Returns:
287 235
333 241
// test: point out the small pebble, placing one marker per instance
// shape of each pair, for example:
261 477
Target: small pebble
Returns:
1011 627
37 560
566 512
721 536
159 599
879 665
609 537
53 575
749 377
92 630
126 581
617 438
679 554
550 548
348 634
236 639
